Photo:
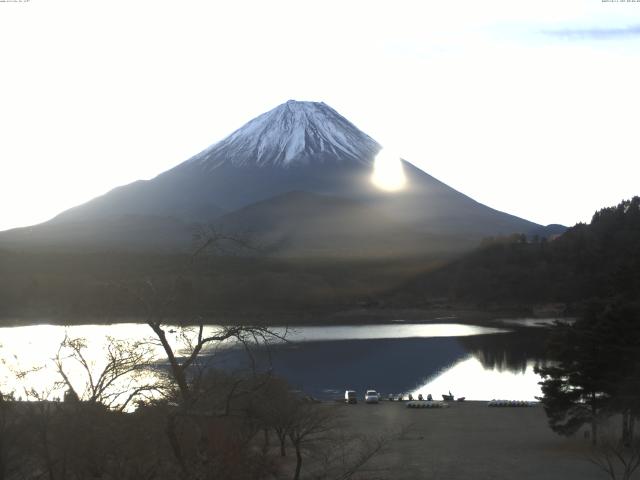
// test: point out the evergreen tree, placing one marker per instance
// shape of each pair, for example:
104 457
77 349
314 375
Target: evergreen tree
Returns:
620 332
574 387
595 371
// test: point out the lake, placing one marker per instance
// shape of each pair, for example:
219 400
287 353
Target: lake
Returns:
479 363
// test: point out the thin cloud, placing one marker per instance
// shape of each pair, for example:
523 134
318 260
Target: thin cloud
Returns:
596 33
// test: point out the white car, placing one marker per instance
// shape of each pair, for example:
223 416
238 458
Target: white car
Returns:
350 396
371 396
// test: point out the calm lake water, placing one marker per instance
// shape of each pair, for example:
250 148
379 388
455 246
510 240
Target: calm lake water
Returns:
478 363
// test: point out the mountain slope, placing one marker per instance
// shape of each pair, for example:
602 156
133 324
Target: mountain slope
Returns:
123 232
308 224
296 147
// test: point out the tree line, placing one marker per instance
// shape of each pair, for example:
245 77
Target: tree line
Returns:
589 262
593 377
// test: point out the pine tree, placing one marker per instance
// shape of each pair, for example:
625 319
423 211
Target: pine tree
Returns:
574 388
595 371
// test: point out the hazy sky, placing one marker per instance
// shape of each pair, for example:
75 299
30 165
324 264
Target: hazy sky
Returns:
530 107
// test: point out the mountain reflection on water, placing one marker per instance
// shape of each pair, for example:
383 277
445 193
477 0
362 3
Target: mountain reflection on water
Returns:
511 351
480 366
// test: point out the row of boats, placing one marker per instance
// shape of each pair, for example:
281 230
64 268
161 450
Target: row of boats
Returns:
372 396
511 403
445 398
492 403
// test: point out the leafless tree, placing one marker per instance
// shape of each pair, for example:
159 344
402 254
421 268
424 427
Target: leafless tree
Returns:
186 366
315 432
618 459
346 455
12 438
40 416
116 380
212 239
187 370
275 405
184 358
187 345
310 423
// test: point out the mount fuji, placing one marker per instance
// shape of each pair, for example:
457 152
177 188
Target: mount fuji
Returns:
298 178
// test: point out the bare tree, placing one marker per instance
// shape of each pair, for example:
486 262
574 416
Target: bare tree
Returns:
40 417
82 438
346 455
187 370
310 423
208 239
12 438
186 347
276 406
617 458
184 359
186 367
116 380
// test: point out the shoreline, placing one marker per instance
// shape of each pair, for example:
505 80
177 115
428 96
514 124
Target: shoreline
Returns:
355 316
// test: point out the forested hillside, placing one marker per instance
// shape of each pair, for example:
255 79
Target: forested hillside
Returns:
82 287
599 260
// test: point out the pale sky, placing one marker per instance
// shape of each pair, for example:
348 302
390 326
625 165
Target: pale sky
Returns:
530 107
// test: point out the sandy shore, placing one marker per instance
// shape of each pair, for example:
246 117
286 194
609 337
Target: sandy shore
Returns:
468 441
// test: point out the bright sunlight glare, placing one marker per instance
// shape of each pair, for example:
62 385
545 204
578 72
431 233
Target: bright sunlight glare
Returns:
388 173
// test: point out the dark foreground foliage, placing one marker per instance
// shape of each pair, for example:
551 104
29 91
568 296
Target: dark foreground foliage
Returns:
243 428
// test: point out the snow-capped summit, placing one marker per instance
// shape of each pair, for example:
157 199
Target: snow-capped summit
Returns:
293 133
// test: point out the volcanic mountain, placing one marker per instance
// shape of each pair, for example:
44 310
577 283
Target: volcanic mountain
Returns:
298 178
